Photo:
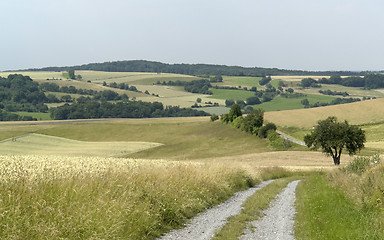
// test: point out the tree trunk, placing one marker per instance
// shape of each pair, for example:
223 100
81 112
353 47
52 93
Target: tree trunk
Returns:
336 157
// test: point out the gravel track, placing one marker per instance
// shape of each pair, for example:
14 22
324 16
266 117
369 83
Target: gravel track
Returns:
278 222
204 225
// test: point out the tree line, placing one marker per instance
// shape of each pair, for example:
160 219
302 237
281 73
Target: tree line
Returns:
134 109
369 81
105 95
190 69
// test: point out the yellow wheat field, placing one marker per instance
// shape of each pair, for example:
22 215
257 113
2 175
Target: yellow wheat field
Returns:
364 112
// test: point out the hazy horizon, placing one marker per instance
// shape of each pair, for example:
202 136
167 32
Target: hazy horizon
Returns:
295 35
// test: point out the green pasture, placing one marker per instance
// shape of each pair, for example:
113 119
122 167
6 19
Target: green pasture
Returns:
37 144
242 81
231 94
281 103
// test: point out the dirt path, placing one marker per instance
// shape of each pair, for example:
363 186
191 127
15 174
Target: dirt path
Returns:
289 138
278 222
207 223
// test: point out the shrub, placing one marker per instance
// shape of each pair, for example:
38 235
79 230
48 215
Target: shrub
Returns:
360 164
278 142
225 118
263 131
214 117
238 122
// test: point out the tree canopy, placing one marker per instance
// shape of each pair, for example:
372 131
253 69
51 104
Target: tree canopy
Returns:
333 136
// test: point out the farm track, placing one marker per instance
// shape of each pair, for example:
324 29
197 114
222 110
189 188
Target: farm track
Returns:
204 225
289 138
278 222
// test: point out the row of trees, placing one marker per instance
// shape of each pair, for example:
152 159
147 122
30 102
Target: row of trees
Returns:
333 93
124 86
136 109
106 95
369 81
336 101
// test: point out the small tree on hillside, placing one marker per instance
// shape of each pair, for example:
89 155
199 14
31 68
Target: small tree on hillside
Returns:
332 137
234 112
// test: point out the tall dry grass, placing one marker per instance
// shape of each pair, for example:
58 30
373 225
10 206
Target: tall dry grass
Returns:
107 198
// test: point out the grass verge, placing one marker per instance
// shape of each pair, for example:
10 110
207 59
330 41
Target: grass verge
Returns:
325 212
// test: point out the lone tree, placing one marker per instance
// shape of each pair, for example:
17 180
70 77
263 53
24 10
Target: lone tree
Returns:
333 136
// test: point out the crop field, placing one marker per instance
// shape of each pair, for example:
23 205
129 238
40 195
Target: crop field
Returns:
56 197
37 144
134 78
365 112
296 78
242 81
352 91
37 75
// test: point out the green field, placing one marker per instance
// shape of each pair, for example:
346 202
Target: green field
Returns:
242 81
281 103
231 94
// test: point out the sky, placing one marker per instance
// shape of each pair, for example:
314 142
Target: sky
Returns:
289 34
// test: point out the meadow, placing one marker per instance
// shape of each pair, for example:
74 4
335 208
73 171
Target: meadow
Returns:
281 103
231 94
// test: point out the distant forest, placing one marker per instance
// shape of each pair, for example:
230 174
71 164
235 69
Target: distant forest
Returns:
190 69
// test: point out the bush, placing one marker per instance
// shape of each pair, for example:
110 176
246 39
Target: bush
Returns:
278 142
225 118
214 117
238 122
360 164
263 131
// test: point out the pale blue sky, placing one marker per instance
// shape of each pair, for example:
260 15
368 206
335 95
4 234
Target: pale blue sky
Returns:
290 34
